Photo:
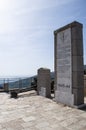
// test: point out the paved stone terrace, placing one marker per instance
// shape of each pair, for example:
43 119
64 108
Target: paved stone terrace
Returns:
32 112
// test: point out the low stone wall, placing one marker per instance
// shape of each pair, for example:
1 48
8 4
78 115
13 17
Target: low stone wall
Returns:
85 85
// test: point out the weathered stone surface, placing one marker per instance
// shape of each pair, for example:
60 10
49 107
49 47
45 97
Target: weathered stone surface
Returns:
44 82
78 79
33 112
77 47
77 63
69 83
78 96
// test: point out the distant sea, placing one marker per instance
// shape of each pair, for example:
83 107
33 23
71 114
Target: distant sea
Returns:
6 79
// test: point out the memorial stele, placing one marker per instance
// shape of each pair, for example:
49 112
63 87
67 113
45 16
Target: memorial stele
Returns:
69 82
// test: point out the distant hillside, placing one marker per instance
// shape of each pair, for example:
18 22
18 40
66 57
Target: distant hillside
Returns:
52 75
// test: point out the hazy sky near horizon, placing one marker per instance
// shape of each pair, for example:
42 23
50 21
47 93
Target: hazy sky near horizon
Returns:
26 32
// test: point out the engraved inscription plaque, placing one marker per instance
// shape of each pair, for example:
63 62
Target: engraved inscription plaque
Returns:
64 60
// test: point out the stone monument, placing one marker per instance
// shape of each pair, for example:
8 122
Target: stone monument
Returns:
69 83
44 82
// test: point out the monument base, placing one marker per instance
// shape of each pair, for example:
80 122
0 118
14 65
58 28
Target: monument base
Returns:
43 92
67 99
64 97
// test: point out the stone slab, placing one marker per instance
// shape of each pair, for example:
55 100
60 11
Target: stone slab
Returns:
69 83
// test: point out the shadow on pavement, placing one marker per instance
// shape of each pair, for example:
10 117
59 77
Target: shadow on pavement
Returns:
22 95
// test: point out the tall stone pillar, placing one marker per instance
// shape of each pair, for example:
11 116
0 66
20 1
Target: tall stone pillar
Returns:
69 83
44 82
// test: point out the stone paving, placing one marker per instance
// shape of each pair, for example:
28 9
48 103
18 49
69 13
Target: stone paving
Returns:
32 112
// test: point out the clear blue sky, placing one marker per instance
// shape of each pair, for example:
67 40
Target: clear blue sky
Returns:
26 32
